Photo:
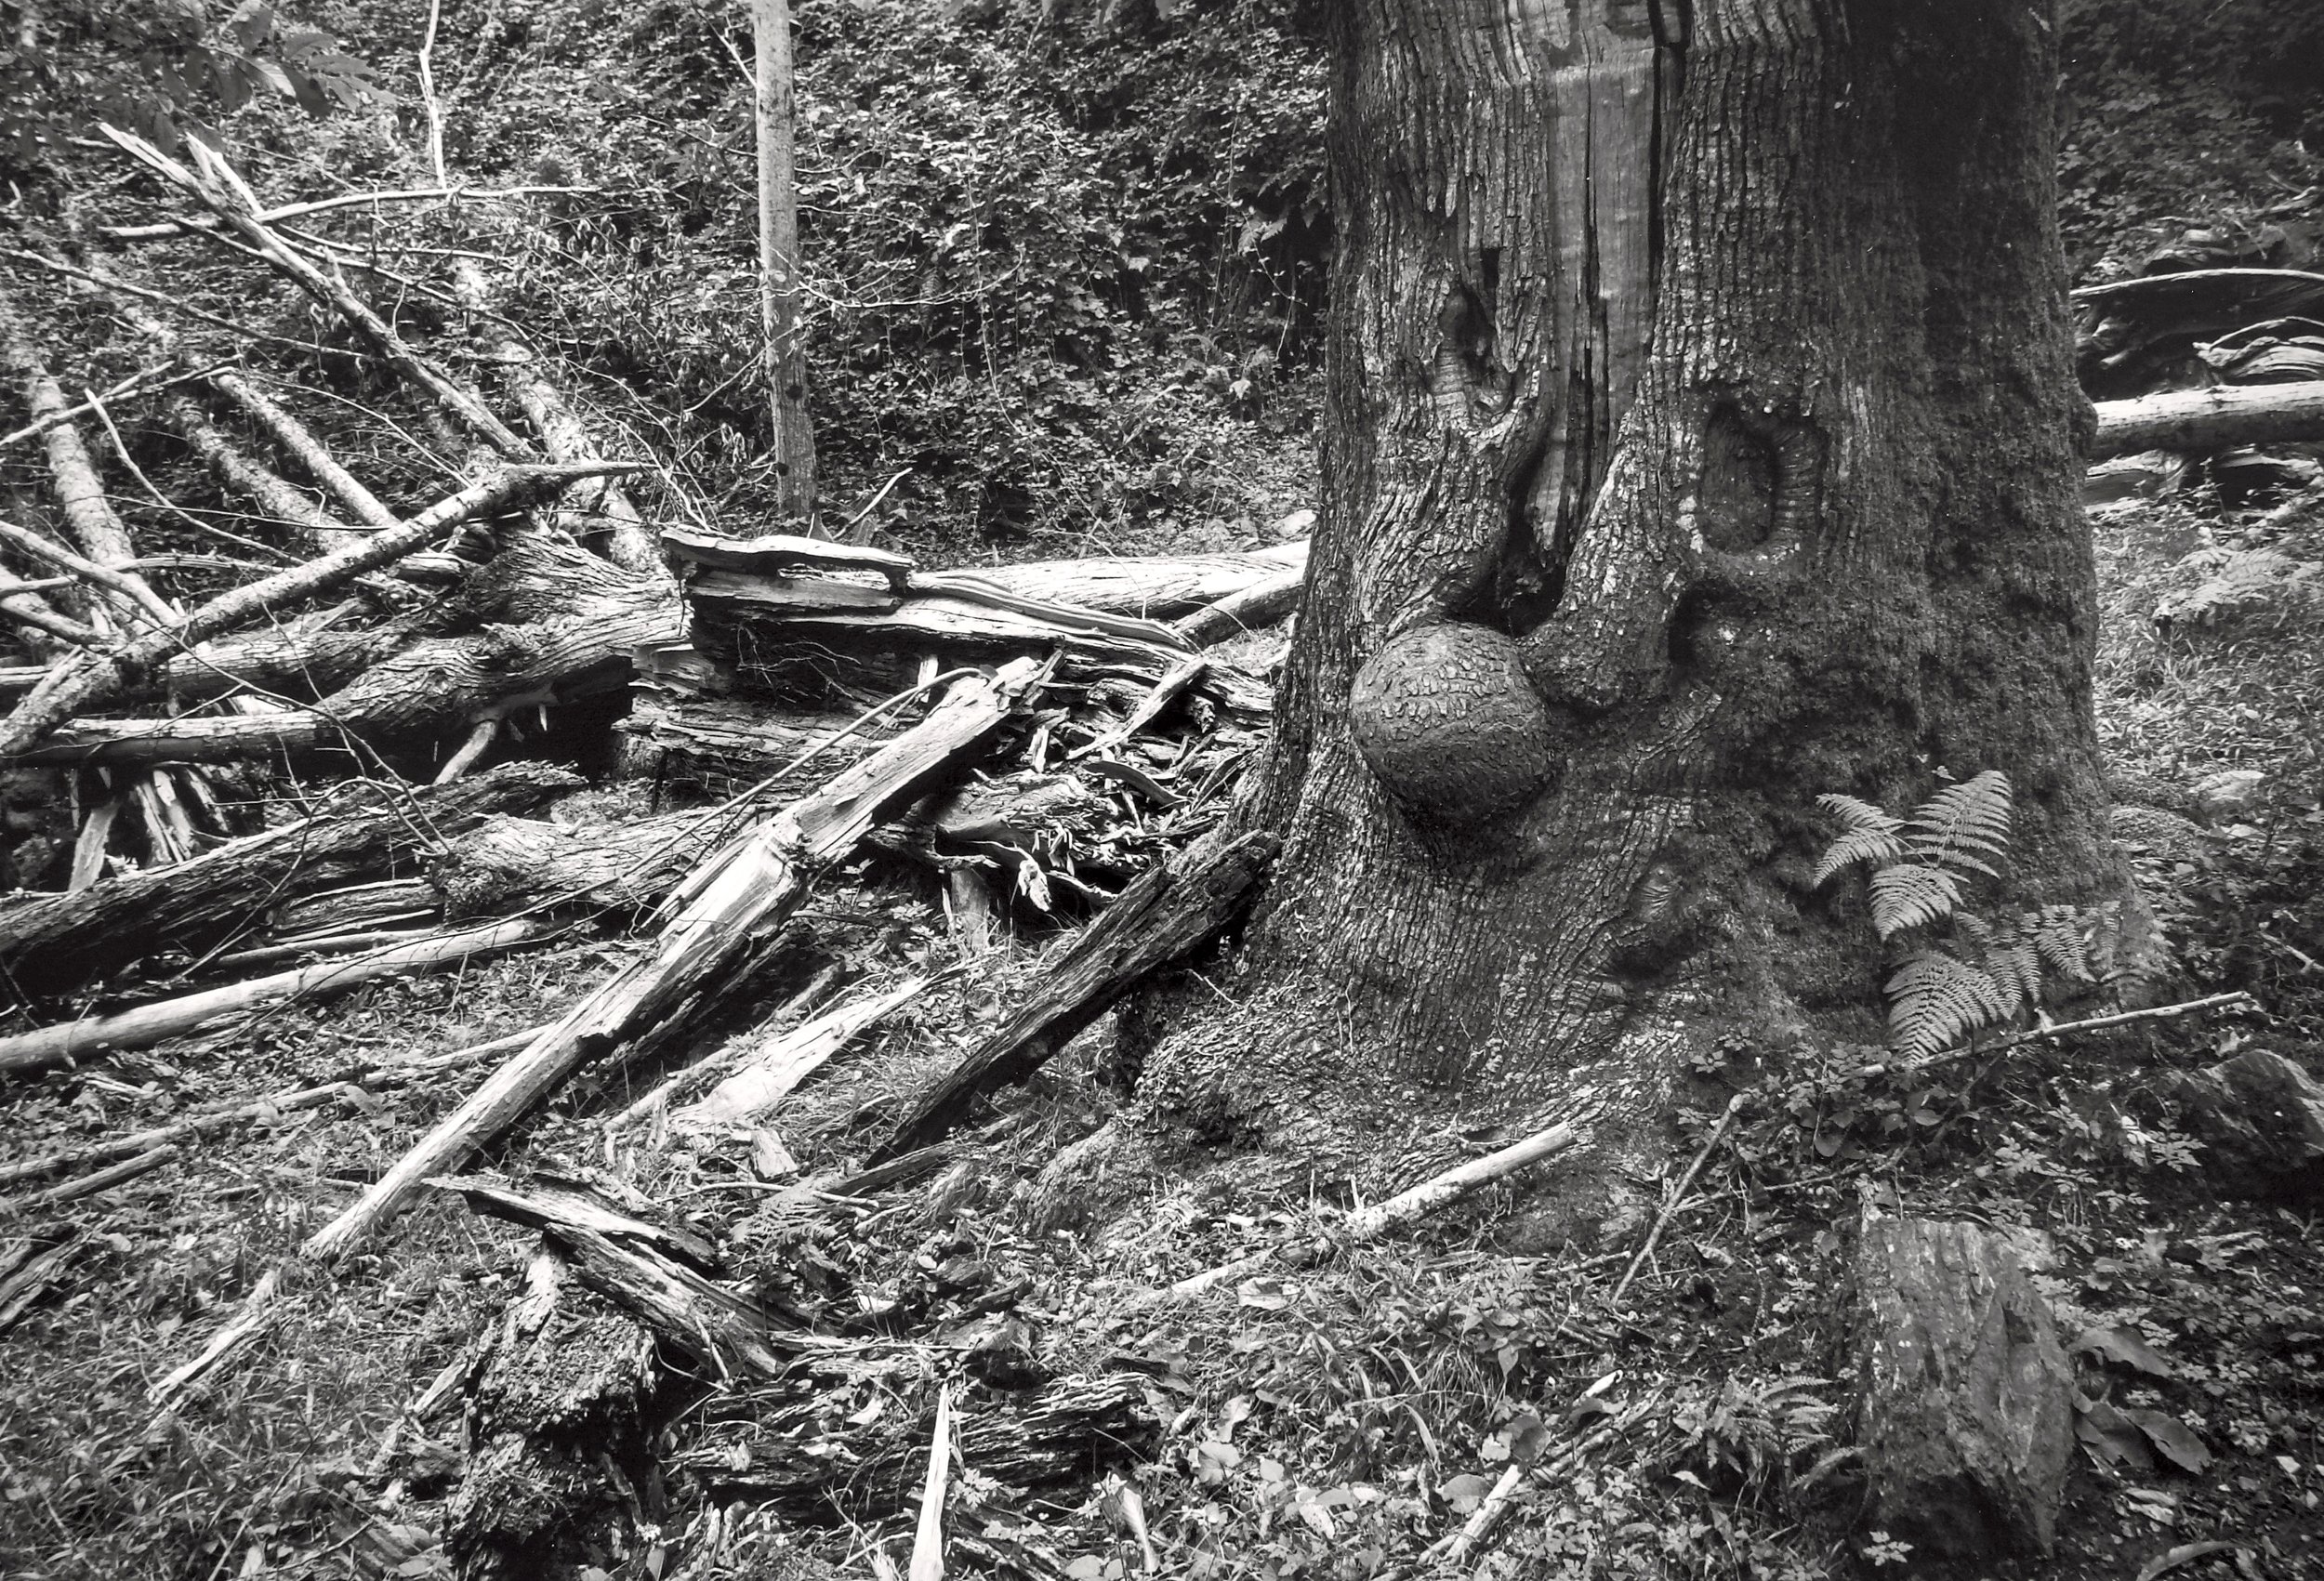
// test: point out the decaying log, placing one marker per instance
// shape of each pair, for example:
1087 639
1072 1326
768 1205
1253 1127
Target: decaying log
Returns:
1157 588
778 610
2211 419
648 1270
1076 1425
149 1024
719 746
308 656
507 864
52 944
803 1004
1156 921
553 624
753 883
2130 332
86 680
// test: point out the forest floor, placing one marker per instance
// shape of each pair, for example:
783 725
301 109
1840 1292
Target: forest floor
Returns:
1340 1411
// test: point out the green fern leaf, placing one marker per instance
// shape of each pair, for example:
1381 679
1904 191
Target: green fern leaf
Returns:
1935 998
1867 834
1911 893
1963 826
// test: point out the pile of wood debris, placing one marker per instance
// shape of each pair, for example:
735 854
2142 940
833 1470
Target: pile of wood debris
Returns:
362 764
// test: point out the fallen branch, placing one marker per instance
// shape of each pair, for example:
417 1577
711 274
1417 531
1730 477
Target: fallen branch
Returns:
90 1184
1254 609
240 475
142 382
1156 921
312 455
217 185
783 1061
758 879
173 228
1677 1195
85 680
2232 1001
1405 1207
147 1024
927 1537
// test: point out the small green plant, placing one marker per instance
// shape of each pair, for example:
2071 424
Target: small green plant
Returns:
1959 971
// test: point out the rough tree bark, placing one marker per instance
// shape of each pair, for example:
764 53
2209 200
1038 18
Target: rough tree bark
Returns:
1701 436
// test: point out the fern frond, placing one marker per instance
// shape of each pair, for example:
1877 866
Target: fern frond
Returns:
2015 968
1909 894
2064 941
1867 834
1934 998
1963 826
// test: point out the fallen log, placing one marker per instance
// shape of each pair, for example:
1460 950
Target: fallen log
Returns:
1159 920
1257 607
149 1024
719 746
52 944
553 624
308 656
86 680
2211 419
753 883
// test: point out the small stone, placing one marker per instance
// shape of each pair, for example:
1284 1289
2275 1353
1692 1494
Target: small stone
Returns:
1967 1413
2260 1117
2230 793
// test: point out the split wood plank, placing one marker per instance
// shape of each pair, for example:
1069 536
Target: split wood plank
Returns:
756 881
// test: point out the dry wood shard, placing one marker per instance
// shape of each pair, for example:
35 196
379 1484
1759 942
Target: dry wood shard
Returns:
1156 921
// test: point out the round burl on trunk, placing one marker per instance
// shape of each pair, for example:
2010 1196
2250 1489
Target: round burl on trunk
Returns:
1967 1397
1714 359
1448 724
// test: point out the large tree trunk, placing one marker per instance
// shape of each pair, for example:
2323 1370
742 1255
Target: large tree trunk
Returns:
1701 437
